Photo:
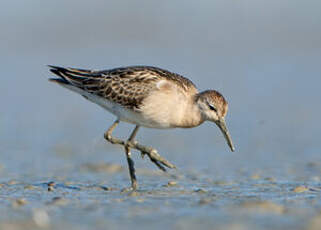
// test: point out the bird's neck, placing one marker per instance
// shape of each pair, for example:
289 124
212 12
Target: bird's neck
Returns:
192 116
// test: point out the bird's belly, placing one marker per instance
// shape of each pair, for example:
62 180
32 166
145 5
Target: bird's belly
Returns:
139 119
125 114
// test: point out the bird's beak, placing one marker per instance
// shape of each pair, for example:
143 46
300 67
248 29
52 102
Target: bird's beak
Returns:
221 124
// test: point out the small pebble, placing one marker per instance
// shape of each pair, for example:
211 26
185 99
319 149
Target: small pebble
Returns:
300 189
29 187
200 190
12 182
51 186
140 200
105 188
256 176
19 202
172 183
51 183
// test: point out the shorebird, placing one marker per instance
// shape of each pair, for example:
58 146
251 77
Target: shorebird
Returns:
149 97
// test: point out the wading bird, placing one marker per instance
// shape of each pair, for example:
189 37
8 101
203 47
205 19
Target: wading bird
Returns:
146 96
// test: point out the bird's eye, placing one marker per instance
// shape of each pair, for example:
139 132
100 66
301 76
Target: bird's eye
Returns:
212 107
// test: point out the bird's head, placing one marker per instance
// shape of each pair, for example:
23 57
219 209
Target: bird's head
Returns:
213 107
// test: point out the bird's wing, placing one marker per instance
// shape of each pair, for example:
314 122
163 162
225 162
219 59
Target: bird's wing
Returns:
126 86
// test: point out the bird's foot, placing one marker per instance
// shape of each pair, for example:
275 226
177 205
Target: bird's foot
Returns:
157 159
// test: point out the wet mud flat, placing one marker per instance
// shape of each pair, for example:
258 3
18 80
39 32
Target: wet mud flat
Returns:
97 198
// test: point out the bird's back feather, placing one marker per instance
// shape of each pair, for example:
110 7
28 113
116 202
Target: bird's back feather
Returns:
127 86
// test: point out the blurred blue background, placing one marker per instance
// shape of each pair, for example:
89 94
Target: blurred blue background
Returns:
263 56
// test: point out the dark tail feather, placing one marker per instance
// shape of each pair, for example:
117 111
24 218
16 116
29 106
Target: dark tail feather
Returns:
70 75
70 72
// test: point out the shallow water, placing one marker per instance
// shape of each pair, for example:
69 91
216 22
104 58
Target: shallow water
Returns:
184 200
263 57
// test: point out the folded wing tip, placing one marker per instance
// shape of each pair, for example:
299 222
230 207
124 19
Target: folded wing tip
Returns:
58 80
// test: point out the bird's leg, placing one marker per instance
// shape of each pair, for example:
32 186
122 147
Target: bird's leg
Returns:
110 138
152 153
129 159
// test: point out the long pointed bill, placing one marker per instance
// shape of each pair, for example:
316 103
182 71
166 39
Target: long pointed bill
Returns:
221 124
